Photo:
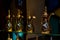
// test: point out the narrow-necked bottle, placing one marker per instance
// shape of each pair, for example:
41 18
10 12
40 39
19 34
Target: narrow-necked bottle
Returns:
19 26
9 24
29 25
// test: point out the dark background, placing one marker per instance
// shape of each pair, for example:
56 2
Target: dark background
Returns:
4 6
52 5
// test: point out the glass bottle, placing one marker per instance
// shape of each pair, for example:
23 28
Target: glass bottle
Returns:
9 24
19 26
29 25
45 25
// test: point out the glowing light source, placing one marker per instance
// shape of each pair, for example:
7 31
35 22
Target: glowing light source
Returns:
8 16
45 13
34 17
19 16
29 17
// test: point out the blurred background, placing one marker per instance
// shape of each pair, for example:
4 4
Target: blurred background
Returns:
29 19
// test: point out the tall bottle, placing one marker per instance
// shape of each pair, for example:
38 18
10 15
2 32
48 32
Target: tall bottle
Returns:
45 25
19 26
9 24
29 27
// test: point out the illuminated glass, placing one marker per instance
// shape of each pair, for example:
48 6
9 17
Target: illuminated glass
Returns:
17 34
9 24
14 36
20 34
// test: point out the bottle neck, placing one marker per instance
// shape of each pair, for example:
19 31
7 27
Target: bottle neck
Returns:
8 14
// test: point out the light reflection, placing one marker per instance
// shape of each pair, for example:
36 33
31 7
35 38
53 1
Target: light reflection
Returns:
9 37
19 24
8 16
9 24
31 31
10 30
29 28
29 25
19 16
8 13
17 35
19 30
34 17
45 14
47 32
19 27
29 17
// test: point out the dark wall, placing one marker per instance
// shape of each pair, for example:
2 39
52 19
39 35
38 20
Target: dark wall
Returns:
4 6
3 13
